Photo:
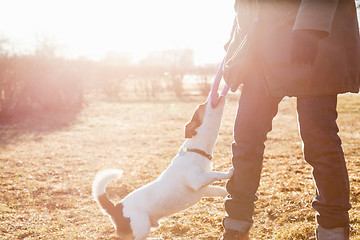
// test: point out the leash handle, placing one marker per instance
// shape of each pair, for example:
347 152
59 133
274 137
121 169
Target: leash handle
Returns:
215 87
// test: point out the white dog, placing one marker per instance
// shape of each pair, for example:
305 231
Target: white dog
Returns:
180 186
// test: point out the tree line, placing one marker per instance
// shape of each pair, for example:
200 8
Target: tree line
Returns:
43 81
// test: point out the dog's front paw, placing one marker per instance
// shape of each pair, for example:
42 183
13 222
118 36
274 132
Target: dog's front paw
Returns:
230 173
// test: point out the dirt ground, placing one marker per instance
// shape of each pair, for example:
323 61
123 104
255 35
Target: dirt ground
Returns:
48 162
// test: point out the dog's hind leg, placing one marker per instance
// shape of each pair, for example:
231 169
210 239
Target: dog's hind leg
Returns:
154 223
140 225
215 191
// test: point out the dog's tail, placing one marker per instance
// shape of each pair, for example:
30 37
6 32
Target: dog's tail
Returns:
102 179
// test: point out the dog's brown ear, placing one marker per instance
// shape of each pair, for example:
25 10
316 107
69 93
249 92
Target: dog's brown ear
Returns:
195 122
190 130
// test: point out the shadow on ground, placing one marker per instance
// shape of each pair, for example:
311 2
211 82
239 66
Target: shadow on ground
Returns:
12 129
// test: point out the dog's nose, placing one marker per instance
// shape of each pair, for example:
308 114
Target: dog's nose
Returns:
214 99
218 100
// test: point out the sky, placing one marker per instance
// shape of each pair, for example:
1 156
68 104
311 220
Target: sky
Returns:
93 28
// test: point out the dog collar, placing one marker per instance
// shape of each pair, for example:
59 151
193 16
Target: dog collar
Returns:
198 151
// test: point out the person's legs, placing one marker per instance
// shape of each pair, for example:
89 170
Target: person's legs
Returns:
322 150
253 121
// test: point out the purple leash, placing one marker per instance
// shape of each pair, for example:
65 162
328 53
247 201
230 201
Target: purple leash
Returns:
215 87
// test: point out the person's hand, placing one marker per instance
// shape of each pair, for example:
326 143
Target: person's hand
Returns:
305 46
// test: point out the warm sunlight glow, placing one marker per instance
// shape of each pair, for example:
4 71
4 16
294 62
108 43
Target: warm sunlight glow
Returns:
93 28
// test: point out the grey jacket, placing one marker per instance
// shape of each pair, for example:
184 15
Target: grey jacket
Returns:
337 66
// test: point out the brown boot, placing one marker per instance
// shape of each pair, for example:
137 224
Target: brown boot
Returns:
234 235
332 234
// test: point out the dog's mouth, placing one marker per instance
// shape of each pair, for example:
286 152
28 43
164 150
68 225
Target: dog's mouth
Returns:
220 99
215 101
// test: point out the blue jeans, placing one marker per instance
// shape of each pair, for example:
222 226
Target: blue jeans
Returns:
322 150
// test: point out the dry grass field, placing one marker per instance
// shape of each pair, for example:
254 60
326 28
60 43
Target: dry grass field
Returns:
48 162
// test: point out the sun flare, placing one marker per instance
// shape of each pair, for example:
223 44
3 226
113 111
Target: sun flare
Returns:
93 28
